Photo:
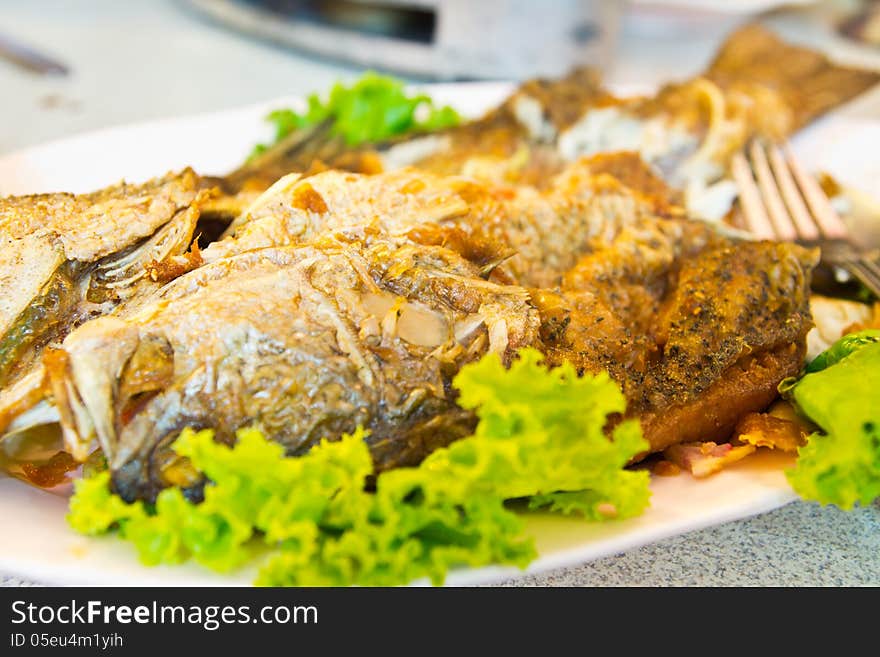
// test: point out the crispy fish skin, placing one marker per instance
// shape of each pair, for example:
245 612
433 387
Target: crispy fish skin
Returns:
28 263
697 330
44 319
749 384
729 303
90 226
542 231
548 230
295 210
308 342
68 257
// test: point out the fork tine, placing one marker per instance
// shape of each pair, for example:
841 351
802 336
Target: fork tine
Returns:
872 266
806 227
785 228
867 273
757 221
830 223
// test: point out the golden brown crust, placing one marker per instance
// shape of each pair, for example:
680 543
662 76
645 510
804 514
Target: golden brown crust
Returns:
565 100
696 332
748 386
628 168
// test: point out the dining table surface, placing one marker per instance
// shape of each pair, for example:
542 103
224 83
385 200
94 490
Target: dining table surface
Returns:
139 60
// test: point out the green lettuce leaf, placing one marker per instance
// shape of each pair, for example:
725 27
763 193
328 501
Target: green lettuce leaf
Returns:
312 521
94 509
841 464
541 431
373 108
842 348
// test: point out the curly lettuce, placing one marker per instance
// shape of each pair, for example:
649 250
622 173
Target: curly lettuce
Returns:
311 520
541 432
374 108
845 346
840 393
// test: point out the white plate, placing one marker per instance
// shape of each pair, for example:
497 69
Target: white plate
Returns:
36 541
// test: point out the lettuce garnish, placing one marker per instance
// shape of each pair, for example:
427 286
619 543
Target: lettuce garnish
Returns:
373 108
840 393
541 436
845 346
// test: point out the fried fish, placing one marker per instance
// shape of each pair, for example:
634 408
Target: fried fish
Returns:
307 341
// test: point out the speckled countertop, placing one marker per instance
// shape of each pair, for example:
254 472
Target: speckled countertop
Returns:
144 59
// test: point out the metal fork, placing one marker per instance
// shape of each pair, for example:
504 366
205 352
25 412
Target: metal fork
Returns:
781 201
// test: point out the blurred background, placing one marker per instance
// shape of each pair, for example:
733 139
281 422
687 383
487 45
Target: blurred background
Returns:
68 67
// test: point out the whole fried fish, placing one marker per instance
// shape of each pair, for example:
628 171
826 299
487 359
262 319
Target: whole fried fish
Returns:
318 313
306 341
335 299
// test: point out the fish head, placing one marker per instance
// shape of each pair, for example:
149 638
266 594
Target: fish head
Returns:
101 370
